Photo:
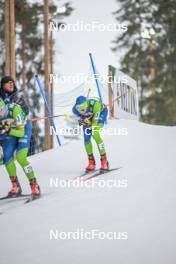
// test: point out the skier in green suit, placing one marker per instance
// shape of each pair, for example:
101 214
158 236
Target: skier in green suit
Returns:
93 115
15 134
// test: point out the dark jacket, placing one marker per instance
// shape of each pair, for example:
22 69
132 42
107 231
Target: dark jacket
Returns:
14 98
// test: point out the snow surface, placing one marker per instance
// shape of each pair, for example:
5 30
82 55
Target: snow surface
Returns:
145 210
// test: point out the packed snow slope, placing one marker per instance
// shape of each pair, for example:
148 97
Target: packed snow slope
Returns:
144 210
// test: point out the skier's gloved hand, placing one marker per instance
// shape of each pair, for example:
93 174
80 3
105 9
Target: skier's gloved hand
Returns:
6 125
81 121
2 131
87 122
84 122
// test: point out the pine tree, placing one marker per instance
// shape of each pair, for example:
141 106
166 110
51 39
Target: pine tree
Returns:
30 54
150 61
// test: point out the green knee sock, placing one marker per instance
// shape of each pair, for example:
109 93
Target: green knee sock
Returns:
11 168
97 137
89 148
21 157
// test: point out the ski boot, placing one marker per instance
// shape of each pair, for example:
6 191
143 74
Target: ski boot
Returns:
91 165
16 188
104 163
35 189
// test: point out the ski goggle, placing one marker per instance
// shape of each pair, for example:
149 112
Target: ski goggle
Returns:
82 108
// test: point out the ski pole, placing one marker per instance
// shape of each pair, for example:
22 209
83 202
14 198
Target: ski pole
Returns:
48 117
42 92
88 93
96 81
118 97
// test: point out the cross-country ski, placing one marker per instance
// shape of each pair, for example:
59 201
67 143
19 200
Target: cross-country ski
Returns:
100 173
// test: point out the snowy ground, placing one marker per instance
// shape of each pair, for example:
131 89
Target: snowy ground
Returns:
144 210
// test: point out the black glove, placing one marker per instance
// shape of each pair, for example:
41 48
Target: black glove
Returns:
81 121
5 125
84 122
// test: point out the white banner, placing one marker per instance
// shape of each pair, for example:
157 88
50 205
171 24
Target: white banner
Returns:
125 95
